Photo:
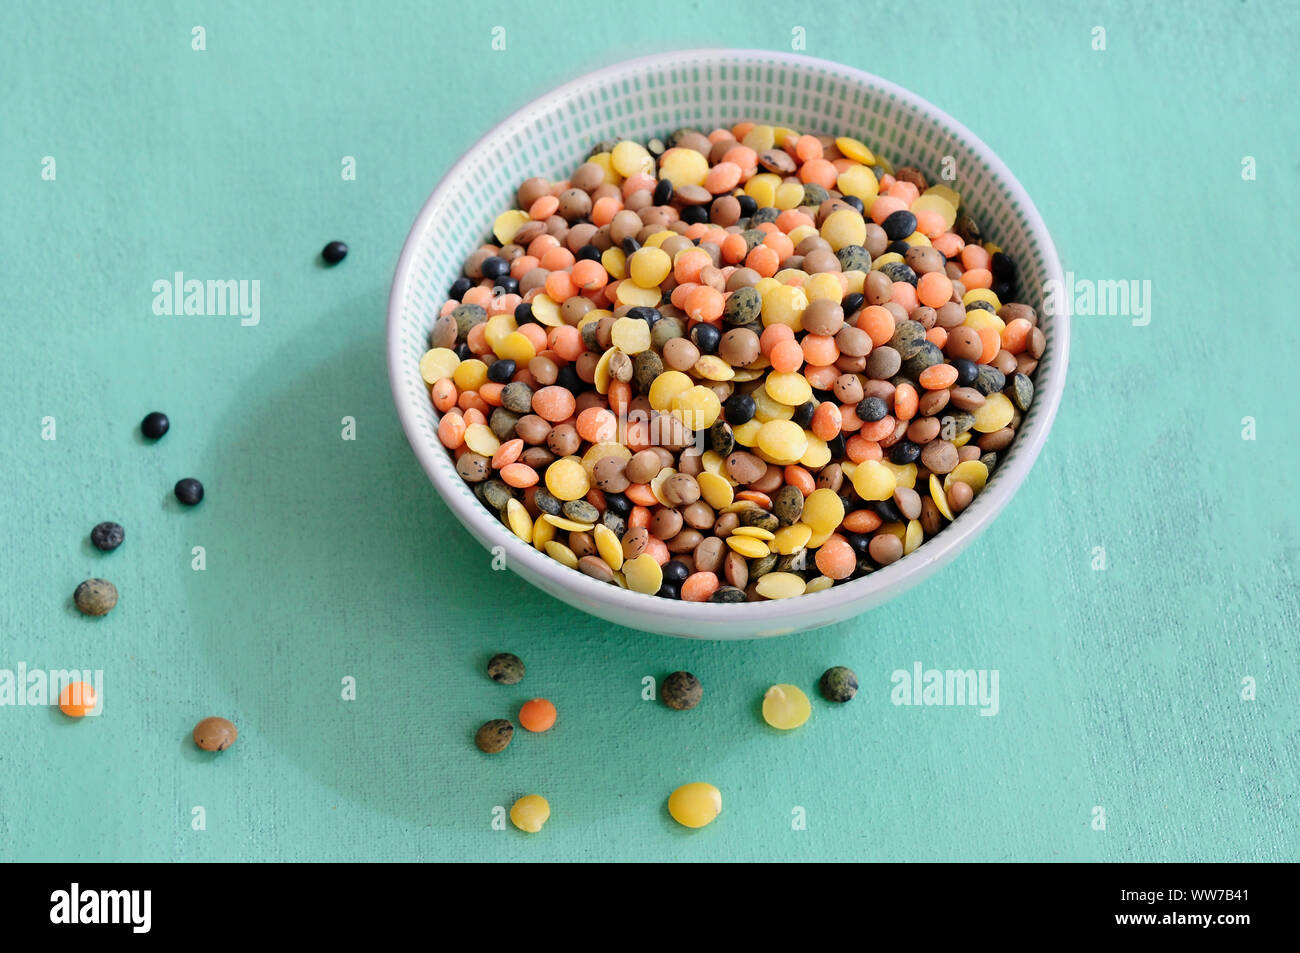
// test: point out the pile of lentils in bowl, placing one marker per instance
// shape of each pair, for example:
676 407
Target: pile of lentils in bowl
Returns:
735 366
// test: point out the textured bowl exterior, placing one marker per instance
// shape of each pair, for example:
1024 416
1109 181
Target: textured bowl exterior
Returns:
653 96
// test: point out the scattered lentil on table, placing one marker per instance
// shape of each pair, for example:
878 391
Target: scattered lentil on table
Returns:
530 812
506 668
494 736
215 734
747 364
189 491
155 425
107 536
786 707
681 690
537 715
838 684
95 596
334 252
695 805
78 699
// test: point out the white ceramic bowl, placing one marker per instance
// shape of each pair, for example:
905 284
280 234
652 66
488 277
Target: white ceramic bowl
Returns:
705 88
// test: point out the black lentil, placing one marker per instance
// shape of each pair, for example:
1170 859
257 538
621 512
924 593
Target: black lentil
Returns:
871 409
189 491
155 425
706 338
899 225
501 371
334 252
739 409
967 371
458 288
107 536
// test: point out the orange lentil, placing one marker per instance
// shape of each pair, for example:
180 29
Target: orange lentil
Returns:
475 415
799 478
566 341
835 558
930 223
780 243
558 257
519 475
793 218
537 715
448 307
451 430
604 209
937 336
687 265
657 549
1015 336
975 256
757 497
743 156
741 129
820 350
977 278
639 518
490 391
472 403
699 586
536 335
878 322
553 403
992 342
589 275
936 377
905 401
704 303
641 495
77 699
862 521
807 147
480 296
507 453
878 429
637 435
719 135
886 181
734 247
504 304
763 260
842 164
543 208
818 172
723 177
678 295
786 356
773 335
696 231
637 181
597 425
541 245
822 378
904 295
858 448
620 396
850 422
906 191
444 394
826 421
476 340
885 206
934 290
949 244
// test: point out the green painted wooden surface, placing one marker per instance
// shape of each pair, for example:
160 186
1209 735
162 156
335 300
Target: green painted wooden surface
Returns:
1118 688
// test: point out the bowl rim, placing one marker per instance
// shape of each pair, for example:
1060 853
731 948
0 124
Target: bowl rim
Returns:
884 583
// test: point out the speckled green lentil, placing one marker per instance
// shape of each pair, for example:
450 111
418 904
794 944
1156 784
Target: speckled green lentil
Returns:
753 516
517 397
838 684
908 338
762 566
1021 392
989 380
646 366
787 505
681 691
547 502
742 307
494 736
665 329
95 596
727 594
796 561
721 439
581 511
502 423
814 194
467 316
927 355
496 494
854 258
506 668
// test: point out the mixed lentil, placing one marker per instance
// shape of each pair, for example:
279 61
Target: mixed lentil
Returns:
734 366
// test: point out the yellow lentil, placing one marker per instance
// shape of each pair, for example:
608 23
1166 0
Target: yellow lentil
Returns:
859 181
788 195
747 433
648 266
666 386
823 285
760 138
567 480
629 158
713 368
683 167
438 363
843 228
521 524
762 188
786 707
971 472
530 812
615 262
904 473
979 318
600 376
783 440
823 510
785 304
695 805
791 539
940 501
634 296
791 389
643 574
546 311
561 553
714 489
748 547
820 584
470 375
481 439
855 150
913 537
994 414
818 453
698 408
766 408
874 481
516 347
630 335
608 545
507 223
780 585
757 532
932 201
543 533
564 523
